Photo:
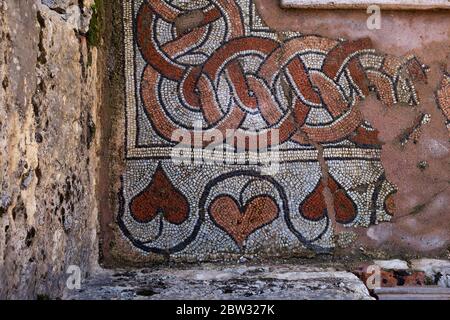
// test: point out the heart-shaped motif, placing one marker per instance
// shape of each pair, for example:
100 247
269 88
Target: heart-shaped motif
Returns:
240 222
314 207
160 198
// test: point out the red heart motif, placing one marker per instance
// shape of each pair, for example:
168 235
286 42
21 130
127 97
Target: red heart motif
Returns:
314 207
160 197
240 222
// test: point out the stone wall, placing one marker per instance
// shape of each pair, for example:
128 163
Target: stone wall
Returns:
51 124
49 96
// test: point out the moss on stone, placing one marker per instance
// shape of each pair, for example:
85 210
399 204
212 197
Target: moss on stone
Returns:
96 24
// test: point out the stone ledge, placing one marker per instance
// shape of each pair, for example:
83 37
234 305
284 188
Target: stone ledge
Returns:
231 282
363 4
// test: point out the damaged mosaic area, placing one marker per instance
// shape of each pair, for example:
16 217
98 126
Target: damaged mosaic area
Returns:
214 62
443 99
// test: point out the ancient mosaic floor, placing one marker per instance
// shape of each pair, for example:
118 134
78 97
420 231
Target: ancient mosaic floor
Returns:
443 99
197 69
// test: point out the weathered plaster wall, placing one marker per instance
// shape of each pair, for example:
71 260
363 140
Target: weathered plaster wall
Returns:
49 96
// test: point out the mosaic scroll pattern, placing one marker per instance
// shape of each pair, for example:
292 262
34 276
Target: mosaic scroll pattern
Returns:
215 63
